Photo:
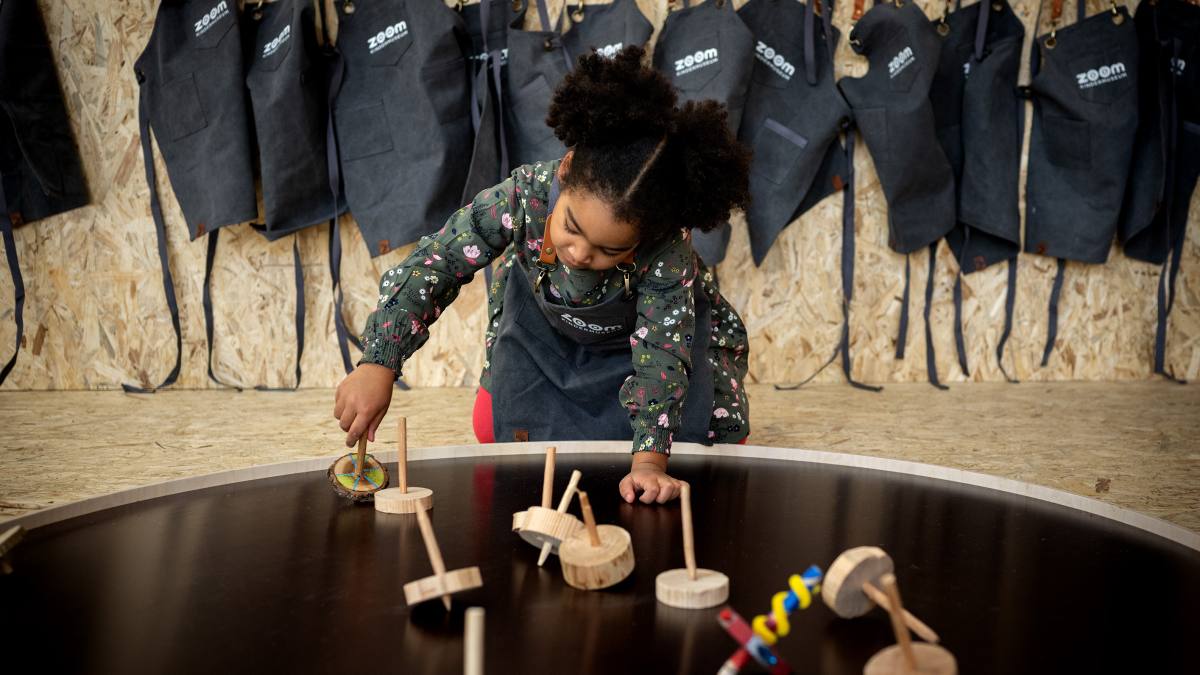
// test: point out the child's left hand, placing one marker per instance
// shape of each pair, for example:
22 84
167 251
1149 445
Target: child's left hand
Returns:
648 475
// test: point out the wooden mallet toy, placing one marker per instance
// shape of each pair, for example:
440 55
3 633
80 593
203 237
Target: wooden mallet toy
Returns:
403 499
690 588
442 583
358 476
851 587
548 528
547 489
907 657
597 557
8 541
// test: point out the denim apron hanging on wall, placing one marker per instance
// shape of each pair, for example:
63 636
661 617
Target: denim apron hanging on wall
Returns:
794 113
708 53
40 171
978 115
488 54
893 111
192 92
1084 91
557 370
1166 155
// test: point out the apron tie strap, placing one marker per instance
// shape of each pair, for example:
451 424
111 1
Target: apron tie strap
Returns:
206 301
1170 266
1010 300
959 340
14 269
1052 330
810 47
902 332
930 355
981 27
848 263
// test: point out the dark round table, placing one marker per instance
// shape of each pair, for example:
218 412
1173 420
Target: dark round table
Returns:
278 575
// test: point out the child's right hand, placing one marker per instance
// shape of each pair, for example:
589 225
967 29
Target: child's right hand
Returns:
362 399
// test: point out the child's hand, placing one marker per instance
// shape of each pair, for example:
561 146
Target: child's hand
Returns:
648 475
362 399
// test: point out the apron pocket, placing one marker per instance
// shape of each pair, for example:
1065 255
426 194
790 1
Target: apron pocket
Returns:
187 116
363 132
777 149
1068 143
529 113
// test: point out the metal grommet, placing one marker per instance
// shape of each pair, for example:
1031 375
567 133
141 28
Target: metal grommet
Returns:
997 7
577 15
548 44
348 7
855 42
1051 42
943 28
516 5
1118 19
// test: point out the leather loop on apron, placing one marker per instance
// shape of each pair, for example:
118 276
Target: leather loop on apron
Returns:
1084 91
707 52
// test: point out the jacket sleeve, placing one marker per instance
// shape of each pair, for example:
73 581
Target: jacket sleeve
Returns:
413 294
661 343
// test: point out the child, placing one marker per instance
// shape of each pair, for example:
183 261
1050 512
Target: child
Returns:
593 313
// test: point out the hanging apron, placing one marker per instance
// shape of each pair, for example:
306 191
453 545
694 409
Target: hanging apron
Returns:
539 60
191 92
707 52
893 111
40 171
487 28
977 111
402 117
793 116
557 370
1166 155
1084 91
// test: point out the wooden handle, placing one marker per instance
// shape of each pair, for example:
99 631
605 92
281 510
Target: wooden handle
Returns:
689 543
402 459
914 624
362 455
435 553
570 493
898 627
473 643
588 518
548 478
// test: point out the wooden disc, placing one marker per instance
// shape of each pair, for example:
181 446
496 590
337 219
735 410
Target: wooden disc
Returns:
518 520
591 567
842 587
547 525
343 476
392 500
931 660
675 589
428 588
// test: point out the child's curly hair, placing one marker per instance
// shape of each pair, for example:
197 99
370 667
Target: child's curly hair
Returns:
659 165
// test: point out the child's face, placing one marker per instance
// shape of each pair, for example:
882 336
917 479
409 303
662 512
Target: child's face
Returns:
587 234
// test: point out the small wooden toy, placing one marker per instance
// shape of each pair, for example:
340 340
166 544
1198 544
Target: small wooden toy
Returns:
8 541
473 642
403 499
547 489
755 643
442 583
547 528
599 557
359 476
851 587
690 588
907 657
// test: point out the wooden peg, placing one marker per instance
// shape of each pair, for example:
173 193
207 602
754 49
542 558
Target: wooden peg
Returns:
518 520
562 509
597 557
541 526
691 587
403 499
850 588
358 476
907 657
442 584
902 637
473 642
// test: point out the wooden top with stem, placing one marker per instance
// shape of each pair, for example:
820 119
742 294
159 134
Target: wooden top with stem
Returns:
435 553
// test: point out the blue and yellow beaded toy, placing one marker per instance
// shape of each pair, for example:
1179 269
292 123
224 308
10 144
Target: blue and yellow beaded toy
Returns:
757 638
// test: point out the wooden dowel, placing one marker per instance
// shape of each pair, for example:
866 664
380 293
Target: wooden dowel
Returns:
473 642
402 459
898 627
689 543
548 478
563 503
362 456
435 553
588 518
914 624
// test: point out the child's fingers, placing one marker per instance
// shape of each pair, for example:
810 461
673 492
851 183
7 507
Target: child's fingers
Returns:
375 425
339 406
649 493
346 418
666 493
626 489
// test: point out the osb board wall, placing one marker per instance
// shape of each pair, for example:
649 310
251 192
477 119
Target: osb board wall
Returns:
96 316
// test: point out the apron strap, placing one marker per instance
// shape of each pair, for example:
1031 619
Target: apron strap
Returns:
160 229
1052 330
810 48
848 206
959 340
206 301
930 355
1170 266
492 59
14 269
1010 297
902 332
333 167
981 27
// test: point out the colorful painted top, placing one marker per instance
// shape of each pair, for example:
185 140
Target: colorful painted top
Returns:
507 222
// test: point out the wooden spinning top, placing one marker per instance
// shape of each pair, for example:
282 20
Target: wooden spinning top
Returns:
547 528
358 476
690 588
442 583
403 499
906 657
518 520
599 557
851 587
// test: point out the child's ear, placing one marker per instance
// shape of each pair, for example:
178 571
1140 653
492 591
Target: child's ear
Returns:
564 167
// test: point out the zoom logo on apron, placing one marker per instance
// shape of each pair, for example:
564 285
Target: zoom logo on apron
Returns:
693 62
274 45
1095 77
387 36
218 12
609 51
1178 66
774 60
594 328
900 61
